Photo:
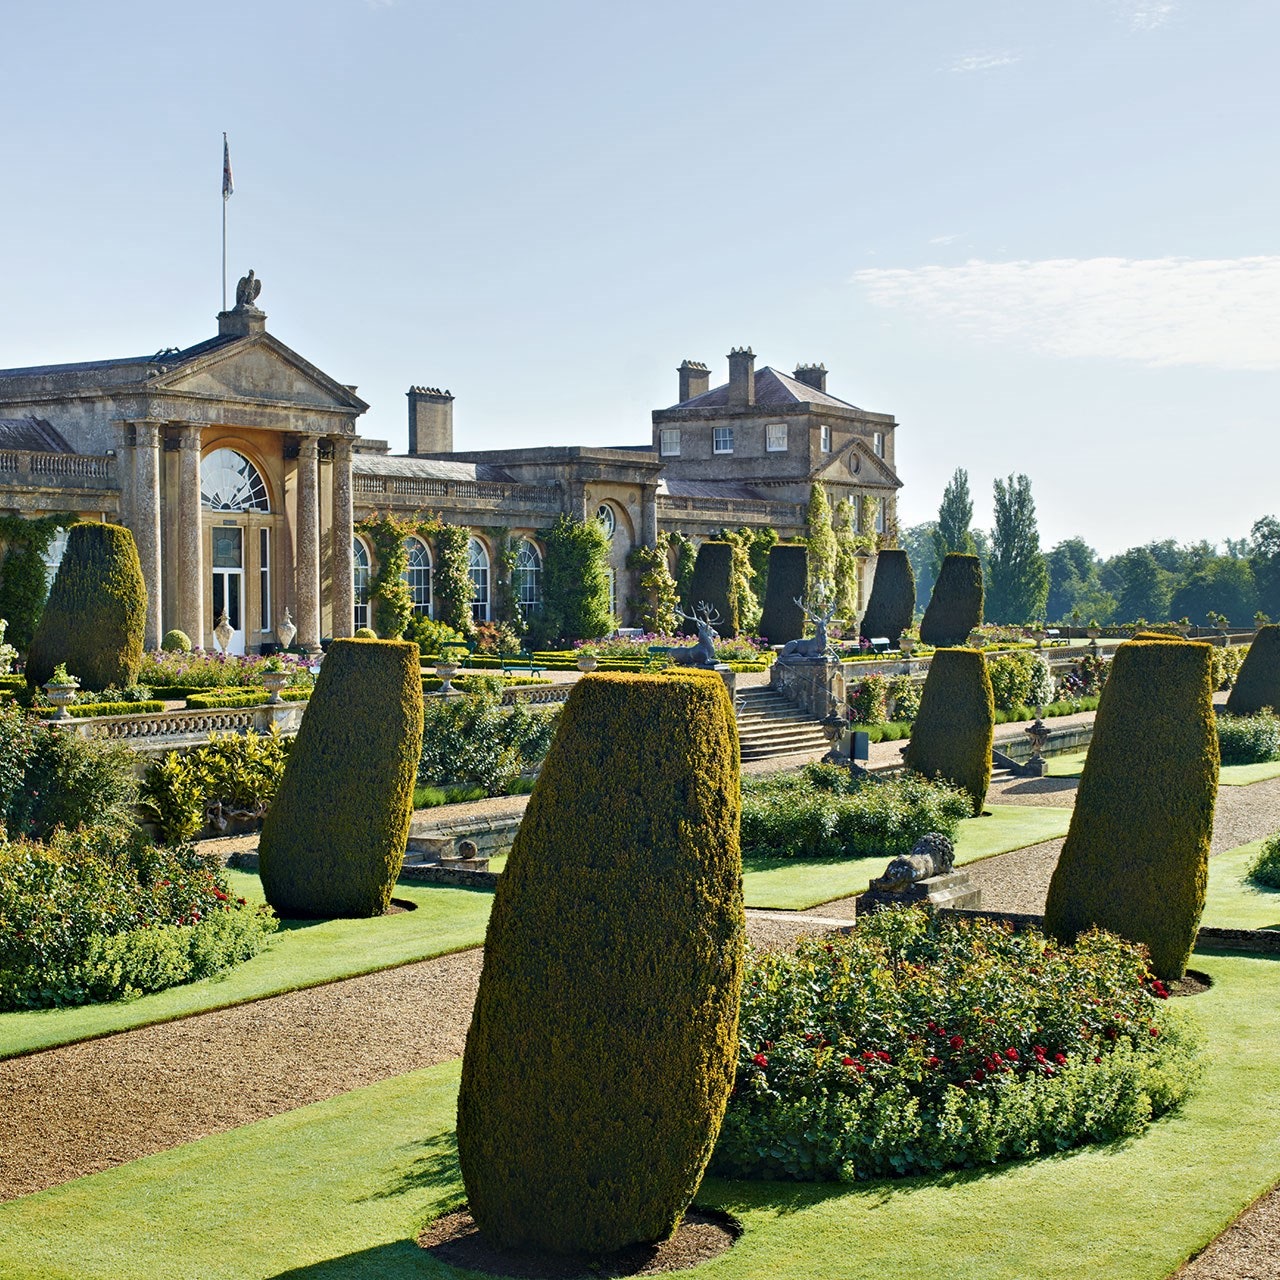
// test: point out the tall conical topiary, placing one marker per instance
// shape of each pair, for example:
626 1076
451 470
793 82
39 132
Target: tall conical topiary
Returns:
783 619
1258 682
96 614
601 1050
893 597
1136 858
953 731
333 843
710 585
955 607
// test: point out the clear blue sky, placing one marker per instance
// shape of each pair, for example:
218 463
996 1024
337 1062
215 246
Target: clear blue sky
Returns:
1045 236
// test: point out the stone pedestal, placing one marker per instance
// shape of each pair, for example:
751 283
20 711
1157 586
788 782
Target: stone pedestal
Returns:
730 678
954 889
815 685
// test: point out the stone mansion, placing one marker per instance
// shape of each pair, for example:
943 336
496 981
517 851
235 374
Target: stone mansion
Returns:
237 465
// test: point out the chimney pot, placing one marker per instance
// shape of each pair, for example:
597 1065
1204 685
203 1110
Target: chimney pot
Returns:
430 421
742 378
812 375
695 379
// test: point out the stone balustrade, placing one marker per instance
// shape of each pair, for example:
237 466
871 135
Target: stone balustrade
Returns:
415 488
71 469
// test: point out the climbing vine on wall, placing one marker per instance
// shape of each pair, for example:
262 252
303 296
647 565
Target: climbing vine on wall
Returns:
389 594
454 589
686 558
506 605
24 580
656 604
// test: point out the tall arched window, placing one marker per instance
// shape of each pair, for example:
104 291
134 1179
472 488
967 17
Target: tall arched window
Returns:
418 575
360 582
528 579
230 482
478 570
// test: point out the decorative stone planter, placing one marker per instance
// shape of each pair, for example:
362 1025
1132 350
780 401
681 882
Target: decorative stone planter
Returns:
1038 636
274 682
446 671
906 646
587 662
62 696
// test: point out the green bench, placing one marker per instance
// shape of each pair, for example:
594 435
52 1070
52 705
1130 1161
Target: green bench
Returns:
658 655
522 661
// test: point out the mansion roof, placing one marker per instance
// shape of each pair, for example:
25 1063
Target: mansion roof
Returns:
427 468
122 371
721 489
31 435
774 390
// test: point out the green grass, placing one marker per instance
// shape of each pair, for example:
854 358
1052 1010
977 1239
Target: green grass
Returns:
302 954
796 884
1231 775
270 1199
1232 901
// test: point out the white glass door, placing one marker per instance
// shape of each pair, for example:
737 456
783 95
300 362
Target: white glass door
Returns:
228 582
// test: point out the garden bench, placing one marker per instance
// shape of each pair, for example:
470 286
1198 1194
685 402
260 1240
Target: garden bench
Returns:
628 633
522 661
880 644
658 654
1054 636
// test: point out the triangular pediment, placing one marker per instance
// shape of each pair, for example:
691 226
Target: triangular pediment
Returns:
857 463
262 370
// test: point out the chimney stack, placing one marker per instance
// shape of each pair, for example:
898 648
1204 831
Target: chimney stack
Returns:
430 421
742 378
695 379
812 375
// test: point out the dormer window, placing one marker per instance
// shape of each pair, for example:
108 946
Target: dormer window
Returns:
877 443
776 437
722 440
669 442
824 436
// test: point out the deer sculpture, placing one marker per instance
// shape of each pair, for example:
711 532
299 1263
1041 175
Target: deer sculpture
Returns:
816 645
702 654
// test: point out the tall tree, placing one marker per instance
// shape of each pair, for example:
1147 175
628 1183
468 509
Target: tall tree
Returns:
1141 586
1265 559
1222 585
1018 579
917 542
955 515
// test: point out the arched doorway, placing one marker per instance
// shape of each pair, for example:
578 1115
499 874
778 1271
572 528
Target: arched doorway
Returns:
231 487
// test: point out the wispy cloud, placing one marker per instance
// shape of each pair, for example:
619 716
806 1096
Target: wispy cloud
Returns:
1222 313
986 61
1146 15
947 239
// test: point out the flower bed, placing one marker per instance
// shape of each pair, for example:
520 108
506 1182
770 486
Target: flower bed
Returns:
93 917
823 812
922 1042
167 672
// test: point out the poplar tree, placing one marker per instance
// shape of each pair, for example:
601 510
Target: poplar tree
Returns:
1017 575
955 515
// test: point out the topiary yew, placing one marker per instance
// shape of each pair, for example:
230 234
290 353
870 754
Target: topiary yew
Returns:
333 843
601 1051
1136 858
893 597
96 614
783 619
712 572
955 607
953 731
1258 682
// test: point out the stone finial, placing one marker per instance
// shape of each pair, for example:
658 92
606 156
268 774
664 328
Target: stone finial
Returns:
247 290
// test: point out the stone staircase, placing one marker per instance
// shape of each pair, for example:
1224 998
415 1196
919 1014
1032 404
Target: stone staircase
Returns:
769 725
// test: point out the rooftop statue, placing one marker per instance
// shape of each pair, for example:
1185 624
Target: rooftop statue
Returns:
247 290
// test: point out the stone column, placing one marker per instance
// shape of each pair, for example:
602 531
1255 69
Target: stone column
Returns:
146 522
306 569
190 611
649 514
343 535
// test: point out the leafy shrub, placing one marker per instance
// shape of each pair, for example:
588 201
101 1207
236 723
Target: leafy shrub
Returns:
575 583
892 604
1227 663
1011 675
454 589
869 700
905 693
1258 683
824 812
655 606
1041 692
955 608
333 842
1249 739
90 918
496 638
783 619
1085 677
476 741
1264 870
953 732
922 1042
176 641
96 613
232 776
365 633
1136 858
600 1054
429 634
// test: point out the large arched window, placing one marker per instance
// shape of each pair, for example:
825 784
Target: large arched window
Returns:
360 582
230 482
418 575
478 570
528 579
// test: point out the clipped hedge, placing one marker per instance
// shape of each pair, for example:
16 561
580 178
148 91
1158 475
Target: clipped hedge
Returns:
95 617
333 843
1258 682
954 729
114 709
710 585
955 607
212 699
1136 855
892 604
783 619
601 1050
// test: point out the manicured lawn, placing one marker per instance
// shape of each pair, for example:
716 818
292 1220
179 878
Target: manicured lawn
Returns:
301 954
272 1200
796 884
1232 902
1231 775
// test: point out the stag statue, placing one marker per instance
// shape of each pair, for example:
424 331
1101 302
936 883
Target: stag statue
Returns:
816 645
702 654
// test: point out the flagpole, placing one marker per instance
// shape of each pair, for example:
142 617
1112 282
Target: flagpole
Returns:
224 225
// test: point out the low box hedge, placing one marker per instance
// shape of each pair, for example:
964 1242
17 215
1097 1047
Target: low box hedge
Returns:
218 698
114 709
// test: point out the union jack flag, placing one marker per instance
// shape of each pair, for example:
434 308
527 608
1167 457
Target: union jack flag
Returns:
228 187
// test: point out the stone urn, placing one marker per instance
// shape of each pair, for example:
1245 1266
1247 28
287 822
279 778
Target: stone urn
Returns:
446 670
587 662
1094 633
274 683
286 631
1038 635
223 632
906 646
62 696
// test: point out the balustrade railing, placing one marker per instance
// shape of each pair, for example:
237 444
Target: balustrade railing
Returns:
56 468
